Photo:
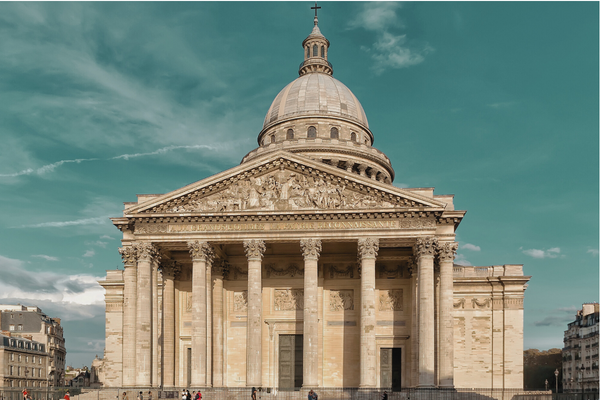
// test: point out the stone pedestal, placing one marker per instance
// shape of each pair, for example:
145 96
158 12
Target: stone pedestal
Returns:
311 248
367 252
254 251
424 253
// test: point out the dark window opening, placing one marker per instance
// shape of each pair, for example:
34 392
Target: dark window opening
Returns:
334 134
272 138
323 51
353 136
290 134
315 50
312 132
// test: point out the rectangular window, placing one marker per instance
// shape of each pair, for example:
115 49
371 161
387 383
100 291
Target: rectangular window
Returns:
11 328
19 359
40 360
12 356
39 372
20 327
26 358
19 371
10 370
33 359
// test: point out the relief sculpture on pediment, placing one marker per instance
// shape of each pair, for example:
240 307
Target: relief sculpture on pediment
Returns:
282 190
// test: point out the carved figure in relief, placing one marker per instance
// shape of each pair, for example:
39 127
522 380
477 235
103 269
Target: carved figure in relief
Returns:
188 301
289 299
282 190
240 301
390 300
340 300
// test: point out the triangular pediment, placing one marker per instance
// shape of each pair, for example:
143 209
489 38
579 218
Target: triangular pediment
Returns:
283 182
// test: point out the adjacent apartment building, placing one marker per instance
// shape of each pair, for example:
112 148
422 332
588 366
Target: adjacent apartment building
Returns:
23 362
580 354
31 322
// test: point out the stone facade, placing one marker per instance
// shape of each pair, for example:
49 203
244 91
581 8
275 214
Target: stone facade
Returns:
305 266
32 323
580 354
23 363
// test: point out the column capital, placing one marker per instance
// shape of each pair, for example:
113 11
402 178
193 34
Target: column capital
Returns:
368 247
129 255
425 247
201 251
220 268
169 268
447 251
146 251
311 248
255 248
412 266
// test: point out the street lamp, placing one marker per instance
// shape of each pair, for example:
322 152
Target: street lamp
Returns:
556 375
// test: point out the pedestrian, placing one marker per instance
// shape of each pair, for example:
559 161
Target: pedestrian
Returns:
183 395
189 396
253 397
385 395
140 396
149 395
198 396
25 393
67 396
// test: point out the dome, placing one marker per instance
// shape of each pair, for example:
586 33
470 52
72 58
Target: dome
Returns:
315 94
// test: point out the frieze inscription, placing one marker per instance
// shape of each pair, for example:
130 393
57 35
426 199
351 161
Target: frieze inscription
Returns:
406 223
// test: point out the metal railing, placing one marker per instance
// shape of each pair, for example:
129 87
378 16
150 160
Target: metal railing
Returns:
54 393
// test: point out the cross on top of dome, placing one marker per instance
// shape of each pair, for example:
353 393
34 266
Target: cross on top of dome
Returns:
316 47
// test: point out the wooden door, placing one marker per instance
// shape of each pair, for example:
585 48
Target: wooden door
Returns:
390 372
290 361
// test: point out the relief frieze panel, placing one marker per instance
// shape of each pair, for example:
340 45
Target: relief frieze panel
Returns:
290 271
341 271
288 299
240 301
385 271
390 300
341 300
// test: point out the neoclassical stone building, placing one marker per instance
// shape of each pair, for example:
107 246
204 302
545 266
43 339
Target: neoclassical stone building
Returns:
305 266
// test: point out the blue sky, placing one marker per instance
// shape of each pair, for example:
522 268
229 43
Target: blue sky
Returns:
494 102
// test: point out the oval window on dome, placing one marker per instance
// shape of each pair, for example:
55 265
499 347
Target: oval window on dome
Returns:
290 134
353 136
315 51
334 133
312 132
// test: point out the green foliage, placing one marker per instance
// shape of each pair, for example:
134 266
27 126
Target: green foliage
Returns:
539 366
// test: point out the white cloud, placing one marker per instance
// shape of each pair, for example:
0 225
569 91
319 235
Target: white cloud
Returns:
390 50
45 257
503 104
107 237
469 246
553 252
98 243
461 260
36 286
60 224
89 253
593 252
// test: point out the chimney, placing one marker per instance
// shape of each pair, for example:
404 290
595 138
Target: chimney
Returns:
588 308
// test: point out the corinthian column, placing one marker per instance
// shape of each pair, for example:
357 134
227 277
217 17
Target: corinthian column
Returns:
217 324
254 251
367 252
202 255
446 253
143 335
424 253
311 248
168 268
129 256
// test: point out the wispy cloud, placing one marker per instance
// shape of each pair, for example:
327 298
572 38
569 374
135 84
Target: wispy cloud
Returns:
553 252
593 252
89 253
558 317
61 224
462 260
504 104
45 257
98 243
107 237
51 167
390 49
469 246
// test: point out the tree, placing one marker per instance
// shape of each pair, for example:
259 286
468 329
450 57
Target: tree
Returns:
539 366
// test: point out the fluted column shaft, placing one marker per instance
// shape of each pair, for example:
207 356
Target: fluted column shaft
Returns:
311 249
143 335
446 253
129 256
217 326
254 251
168 329
367 252
209 325
424 252
201 253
